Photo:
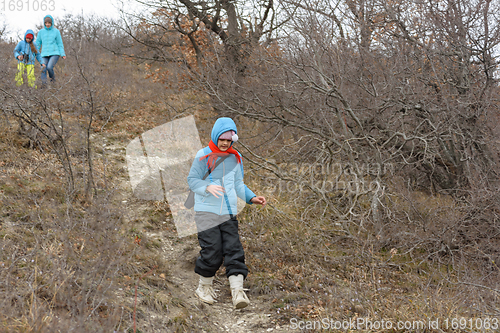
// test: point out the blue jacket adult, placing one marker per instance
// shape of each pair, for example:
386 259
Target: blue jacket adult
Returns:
50 41
228 174
23 48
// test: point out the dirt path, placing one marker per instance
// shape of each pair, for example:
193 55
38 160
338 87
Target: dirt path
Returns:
220 316
180 255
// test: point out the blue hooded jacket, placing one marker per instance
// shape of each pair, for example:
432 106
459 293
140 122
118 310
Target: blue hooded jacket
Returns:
228 174
50 41
24 48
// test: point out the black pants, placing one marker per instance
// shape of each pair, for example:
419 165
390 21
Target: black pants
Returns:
219 243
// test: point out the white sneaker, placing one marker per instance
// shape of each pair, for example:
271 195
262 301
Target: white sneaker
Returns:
205 291
240 299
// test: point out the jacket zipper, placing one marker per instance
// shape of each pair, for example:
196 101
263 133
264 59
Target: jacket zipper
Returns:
223 173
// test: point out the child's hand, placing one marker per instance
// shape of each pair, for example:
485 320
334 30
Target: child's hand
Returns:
20 57
259 201
215 190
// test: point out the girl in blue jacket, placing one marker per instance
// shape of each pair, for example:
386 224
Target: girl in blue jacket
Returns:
26 53
215 208
51 44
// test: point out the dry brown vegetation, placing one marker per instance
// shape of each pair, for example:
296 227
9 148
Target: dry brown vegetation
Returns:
401 224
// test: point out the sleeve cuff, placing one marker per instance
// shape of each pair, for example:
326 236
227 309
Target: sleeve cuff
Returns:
250 200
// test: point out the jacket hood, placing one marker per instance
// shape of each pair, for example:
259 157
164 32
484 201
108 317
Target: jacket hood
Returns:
29 31
51 18
222 125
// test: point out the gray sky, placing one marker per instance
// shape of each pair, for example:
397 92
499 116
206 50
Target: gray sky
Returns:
21 15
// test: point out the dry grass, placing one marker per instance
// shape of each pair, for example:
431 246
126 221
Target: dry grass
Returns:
313 269
72 263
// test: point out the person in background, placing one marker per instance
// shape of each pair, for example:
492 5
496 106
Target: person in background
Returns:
50 43
26 52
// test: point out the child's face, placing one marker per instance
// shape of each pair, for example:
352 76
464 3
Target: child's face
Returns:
28 40
224 144
48 24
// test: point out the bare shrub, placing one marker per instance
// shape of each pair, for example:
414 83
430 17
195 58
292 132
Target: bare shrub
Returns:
64 247
397 102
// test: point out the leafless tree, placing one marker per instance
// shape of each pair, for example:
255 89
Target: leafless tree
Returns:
238 26
388 94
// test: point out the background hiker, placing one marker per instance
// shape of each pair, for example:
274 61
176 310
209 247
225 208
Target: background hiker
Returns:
26 53
50 42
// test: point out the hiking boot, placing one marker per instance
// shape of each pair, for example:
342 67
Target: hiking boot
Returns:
240 299
205 291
